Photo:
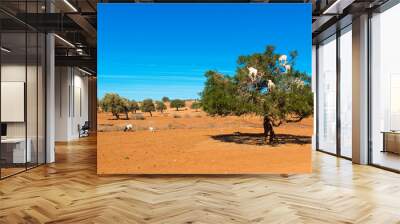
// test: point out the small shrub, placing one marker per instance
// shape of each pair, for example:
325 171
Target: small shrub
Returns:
138 117
196 106
141 129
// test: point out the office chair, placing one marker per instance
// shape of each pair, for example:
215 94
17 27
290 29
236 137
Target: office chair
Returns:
84 130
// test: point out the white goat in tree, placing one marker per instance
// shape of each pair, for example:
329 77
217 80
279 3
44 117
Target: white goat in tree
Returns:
283 59
288 68
270 85
252 73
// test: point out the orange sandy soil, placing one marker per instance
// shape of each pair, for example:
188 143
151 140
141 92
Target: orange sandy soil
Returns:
195 143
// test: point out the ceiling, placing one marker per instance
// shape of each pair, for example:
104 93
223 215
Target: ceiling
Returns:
75 21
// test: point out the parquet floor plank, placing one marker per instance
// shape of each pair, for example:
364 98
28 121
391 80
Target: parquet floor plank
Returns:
70 191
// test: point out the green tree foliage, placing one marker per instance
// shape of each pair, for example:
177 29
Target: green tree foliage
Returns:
125 104
113 103
218 96
195 105
133 106
289 98
160 106
148 106
165 99
177 103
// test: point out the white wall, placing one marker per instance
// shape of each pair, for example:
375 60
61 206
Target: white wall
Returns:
33 127
16 72
71 102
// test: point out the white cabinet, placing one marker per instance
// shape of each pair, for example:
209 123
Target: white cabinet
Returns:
17 146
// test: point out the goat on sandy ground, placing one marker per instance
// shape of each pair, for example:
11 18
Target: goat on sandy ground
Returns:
128 127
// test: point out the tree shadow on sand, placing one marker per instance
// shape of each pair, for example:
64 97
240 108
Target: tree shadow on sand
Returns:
259 139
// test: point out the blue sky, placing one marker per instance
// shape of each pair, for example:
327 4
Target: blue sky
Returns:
156 50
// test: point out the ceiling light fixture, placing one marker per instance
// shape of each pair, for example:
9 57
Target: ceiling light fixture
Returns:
65 41
5 50
70 5
337 7
84 71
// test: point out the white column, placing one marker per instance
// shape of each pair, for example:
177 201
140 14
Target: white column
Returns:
360 90
314 90
50 99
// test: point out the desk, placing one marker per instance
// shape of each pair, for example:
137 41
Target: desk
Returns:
15 148
391 141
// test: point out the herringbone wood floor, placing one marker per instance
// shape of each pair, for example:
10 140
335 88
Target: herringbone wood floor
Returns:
69 191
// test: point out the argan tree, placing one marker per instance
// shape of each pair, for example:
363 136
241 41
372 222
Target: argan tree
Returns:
165 99
148 106
113 103
160 106
195 105
279 93
133 106
126 107
177 103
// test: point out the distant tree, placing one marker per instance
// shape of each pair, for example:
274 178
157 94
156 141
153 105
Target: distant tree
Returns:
276 93
177 103
113 103
160 106
148 106
125 104
99 105
195 105
133 106
165 99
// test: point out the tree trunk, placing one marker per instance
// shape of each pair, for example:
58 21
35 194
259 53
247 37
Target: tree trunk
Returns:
177 109
117 116
151 115
268 130
127 115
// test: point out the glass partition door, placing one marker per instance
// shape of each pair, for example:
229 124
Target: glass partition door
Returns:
327 95
14 153
346 92
22 77
385 89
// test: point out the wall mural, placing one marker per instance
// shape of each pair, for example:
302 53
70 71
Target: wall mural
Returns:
204 88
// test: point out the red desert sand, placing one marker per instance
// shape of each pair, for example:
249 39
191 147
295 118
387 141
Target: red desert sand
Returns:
191 142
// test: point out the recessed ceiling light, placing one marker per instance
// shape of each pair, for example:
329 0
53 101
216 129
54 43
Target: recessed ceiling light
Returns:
64 40
5 50
70 5
84 71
